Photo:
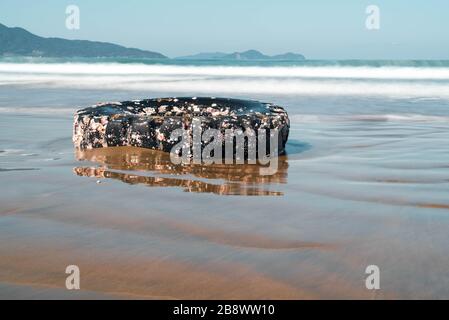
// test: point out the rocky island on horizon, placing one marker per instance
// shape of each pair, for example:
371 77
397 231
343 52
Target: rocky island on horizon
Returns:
244 55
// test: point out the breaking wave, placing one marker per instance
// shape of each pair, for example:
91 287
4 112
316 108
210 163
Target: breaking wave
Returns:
390 81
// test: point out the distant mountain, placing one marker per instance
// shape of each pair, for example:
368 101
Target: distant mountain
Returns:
245 55
20 42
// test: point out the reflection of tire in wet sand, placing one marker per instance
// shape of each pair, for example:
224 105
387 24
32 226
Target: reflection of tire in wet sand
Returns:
154 168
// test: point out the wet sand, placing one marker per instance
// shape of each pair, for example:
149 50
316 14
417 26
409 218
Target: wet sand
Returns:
348 194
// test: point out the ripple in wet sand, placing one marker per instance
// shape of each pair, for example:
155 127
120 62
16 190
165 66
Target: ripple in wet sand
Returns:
18 169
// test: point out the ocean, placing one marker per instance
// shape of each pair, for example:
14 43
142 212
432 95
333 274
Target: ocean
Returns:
365 182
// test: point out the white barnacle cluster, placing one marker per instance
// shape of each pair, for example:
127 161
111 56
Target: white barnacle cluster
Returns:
136 138
77 136
89 131
100 104
196 108
149 111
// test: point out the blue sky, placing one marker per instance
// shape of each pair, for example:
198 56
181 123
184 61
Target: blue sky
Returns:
320 29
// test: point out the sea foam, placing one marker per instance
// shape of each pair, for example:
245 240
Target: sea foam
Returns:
388 81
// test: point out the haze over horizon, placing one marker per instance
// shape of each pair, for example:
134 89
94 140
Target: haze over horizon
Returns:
319 30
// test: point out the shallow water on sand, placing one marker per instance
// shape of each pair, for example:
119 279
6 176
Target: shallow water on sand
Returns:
365 181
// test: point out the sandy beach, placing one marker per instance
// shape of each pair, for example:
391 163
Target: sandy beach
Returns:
365 181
